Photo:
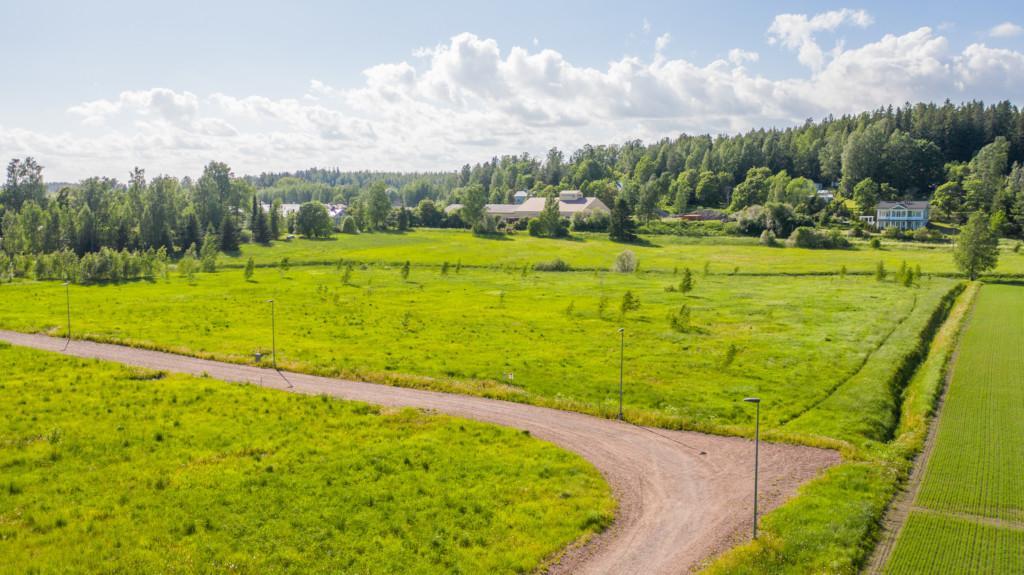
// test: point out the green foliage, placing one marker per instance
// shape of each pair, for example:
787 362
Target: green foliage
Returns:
208 253
686 283
629 303
161 454
680 319
405 270
348 225
228 236
555 265
977 247
622 227
768 239
804 237
250 268
880 272
313 221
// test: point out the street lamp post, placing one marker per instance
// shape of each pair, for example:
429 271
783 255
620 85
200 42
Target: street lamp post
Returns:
622 351
273 334
67 298
757 445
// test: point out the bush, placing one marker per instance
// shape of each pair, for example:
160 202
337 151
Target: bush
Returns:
683 228
809 238
892 233
876 243
680 319
595 222
555 265
750 221
348 225
625 263
486 225
768 238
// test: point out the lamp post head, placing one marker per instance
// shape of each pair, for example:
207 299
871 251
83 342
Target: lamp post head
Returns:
752 399
270 301
622 330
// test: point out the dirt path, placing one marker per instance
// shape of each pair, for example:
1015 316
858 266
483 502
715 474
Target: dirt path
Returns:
683 496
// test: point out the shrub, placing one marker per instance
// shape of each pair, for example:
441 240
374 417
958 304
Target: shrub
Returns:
555 265
625 263
768 238
680 319
629 303
876 243
595 222
892 233
486 225
686 284
348 225
805 237
880 272
250 268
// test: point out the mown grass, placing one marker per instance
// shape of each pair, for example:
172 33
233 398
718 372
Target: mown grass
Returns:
792 340
975 475
105 468
722 255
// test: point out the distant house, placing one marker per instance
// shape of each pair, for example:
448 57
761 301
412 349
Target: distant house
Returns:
570 203
336 211
520 197
902 215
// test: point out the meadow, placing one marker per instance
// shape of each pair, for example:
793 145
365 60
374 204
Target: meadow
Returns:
105 468
722 255
970 506
539 337
834 356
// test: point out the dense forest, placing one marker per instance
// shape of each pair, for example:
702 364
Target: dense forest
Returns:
965 158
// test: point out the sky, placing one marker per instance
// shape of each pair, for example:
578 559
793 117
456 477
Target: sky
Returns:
97 88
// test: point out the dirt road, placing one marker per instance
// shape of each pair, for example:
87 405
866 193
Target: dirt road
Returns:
683 496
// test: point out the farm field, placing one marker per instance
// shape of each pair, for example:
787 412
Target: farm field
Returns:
594 251
795 340
970 506
117 469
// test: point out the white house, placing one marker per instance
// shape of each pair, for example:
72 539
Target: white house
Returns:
909 215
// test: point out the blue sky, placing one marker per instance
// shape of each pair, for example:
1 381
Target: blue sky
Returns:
97 89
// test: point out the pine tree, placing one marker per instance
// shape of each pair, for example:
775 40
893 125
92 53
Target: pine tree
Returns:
405 270
621 228
250 269
228 235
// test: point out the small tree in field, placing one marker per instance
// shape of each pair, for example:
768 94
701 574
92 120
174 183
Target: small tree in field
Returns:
977 247
250 268
686 284
880 272
680 320
405 270
208 253
629 303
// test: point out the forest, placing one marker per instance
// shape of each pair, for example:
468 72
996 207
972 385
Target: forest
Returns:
964 158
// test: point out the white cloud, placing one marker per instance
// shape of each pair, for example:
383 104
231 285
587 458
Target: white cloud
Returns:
468 99
1005 30
796 32
738 56
662 42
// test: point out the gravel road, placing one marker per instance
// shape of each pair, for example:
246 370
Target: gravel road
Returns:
683 496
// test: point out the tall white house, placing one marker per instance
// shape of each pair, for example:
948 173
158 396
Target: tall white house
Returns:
908 215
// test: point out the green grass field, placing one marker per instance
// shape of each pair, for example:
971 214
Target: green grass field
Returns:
723 255
970 507
830 354
792 340
105 468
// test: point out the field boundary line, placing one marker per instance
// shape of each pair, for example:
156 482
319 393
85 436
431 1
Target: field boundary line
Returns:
980 519
904 502
867 357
